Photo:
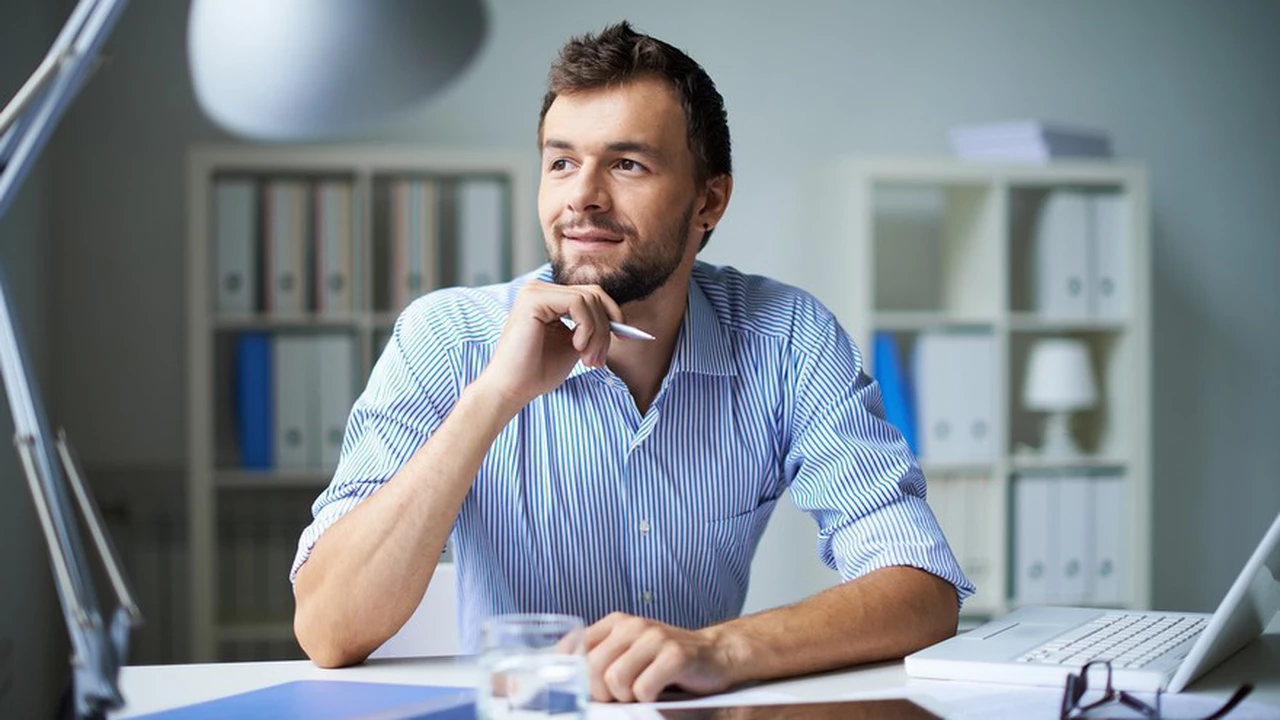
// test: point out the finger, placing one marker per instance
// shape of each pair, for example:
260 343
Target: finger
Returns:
588 330
622 673
600 629
600 658
592 336
623 631
669 665
611 309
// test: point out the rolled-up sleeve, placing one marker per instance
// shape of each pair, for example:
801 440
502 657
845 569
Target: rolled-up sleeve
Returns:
410 391
853 472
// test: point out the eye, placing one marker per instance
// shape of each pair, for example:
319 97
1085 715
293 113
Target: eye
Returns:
628 165
558 165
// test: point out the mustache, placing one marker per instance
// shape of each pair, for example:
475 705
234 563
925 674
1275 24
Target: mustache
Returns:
601 224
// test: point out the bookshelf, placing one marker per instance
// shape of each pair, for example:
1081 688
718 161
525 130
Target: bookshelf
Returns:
293 247
954 249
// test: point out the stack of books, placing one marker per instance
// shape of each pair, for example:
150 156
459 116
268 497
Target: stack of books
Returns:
1027 140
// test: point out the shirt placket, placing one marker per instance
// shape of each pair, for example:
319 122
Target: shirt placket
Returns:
643 518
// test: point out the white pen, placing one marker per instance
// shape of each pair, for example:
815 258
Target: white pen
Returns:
620 329
626 331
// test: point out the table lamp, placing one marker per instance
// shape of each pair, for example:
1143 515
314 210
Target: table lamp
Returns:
1059 381
269 69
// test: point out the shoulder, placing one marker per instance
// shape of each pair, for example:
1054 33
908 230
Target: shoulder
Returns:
762 306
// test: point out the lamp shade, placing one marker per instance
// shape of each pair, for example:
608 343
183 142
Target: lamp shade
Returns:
310 69
1059 376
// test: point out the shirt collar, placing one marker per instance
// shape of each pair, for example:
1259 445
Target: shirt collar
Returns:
703 346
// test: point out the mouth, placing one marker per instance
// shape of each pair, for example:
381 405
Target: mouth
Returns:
590 236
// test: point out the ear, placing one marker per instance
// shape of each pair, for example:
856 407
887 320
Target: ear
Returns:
714 201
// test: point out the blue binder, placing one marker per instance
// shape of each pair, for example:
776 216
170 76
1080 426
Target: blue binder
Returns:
895 388
253 399
333 700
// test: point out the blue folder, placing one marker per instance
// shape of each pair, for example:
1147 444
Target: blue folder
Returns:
895 388
334 700
253 399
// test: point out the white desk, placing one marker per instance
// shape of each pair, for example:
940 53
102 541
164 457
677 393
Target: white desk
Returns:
161 687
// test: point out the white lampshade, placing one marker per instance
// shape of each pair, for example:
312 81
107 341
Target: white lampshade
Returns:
310 69
1059 377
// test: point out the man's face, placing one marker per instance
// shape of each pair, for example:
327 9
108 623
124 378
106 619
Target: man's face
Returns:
617 195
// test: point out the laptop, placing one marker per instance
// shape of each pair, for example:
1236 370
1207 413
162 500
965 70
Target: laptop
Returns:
1148 650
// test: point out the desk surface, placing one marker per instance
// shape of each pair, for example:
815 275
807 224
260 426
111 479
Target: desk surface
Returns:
160 687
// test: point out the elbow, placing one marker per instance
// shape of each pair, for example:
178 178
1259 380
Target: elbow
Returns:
324 648
321 636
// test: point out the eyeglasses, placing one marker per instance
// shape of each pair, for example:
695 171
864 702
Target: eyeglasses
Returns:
1080 701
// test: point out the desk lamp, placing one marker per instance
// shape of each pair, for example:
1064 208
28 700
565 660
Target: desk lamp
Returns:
265 69
1059 381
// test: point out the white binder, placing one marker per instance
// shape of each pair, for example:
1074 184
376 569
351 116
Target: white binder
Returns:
235 216
947 504
1108 566
284 225
1060 256
335 391
955 396
296 423
1035 530
481 231
415 230
333 227
979 523
1074 539
1109 285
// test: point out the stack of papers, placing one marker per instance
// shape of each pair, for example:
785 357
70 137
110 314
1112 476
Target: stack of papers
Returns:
1027 140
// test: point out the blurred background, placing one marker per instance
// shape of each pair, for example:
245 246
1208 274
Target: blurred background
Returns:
95 249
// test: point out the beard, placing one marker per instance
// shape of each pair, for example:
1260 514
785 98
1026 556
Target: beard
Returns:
648 267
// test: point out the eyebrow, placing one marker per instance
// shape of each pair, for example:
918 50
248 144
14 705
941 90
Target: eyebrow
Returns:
620 146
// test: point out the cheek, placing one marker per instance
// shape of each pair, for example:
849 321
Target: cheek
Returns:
547 208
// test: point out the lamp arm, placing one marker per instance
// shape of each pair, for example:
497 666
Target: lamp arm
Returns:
28 121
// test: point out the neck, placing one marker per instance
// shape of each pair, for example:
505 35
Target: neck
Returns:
642 364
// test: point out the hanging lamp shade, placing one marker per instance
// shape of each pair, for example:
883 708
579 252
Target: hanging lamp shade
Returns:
311 69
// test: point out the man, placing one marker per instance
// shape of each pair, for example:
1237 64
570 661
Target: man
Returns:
624 480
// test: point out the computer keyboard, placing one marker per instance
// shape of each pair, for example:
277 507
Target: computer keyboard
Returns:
1128 640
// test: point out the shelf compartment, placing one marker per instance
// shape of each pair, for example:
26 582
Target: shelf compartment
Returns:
936 248
227 394
1070 251
1104 431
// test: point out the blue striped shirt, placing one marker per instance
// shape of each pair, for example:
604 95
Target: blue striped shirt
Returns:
583 505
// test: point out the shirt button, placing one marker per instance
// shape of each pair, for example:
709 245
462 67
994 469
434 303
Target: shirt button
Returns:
644 526
647 596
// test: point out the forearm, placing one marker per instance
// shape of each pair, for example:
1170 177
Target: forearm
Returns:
885 614
368 572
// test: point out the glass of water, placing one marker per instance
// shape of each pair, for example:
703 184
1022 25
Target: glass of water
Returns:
534 666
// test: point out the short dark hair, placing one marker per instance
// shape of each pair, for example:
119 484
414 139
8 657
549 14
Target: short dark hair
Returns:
619 55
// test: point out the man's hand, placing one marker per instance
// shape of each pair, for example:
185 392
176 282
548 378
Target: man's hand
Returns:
537 351
632 659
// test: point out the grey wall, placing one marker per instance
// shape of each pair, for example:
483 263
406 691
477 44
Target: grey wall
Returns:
33 644
1185 86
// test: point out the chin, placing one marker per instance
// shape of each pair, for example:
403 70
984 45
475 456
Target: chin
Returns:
583 271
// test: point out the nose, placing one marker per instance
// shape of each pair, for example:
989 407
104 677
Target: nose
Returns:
588 193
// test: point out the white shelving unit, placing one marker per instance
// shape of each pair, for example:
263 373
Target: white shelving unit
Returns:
924 245
225 501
